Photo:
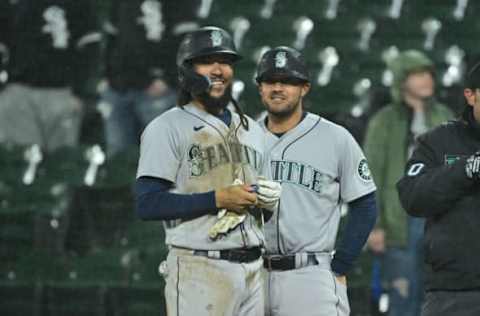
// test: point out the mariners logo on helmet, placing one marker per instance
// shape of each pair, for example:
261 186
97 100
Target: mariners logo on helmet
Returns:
216 38
281 59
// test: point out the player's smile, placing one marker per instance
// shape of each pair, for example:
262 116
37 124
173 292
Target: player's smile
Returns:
278 102
218 87
280 97
219 84
277 97
219 70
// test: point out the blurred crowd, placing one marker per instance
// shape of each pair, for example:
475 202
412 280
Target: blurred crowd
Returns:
64 62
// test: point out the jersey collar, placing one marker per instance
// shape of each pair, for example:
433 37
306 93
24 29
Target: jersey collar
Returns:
302 128
308 120
212 119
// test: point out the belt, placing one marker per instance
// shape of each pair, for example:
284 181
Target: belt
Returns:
290 262
241 255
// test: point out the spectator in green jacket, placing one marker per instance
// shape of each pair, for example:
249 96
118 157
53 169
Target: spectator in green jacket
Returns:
389 141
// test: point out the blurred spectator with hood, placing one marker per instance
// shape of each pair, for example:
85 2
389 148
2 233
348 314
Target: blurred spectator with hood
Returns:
388 144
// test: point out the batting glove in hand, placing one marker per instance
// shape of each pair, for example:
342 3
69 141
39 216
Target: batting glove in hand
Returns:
472 167
268 193
226 221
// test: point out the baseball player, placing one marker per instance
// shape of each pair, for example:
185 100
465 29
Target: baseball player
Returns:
199 171
320 166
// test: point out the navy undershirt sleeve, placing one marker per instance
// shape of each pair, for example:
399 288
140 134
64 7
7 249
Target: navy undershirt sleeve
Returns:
361 219
155 202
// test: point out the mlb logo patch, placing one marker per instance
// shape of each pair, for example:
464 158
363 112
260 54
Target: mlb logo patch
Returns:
450 158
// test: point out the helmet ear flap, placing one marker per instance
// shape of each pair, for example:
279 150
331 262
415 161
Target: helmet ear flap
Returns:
191 81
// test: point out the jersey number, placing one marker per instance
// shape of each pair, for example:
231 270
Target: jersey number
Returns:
415 169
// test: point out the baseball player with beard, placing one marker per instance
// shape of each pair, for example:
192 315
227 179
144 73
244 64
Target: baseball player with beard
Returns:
320 166
199 172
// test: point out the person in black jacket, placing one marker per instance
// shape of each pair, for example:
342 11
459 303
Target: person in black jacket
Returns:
142 37
442 184
52 49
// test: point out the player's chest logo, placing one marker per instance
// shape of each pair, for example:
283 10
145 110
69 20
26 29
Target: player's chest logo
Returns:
196 158
303 175
204 159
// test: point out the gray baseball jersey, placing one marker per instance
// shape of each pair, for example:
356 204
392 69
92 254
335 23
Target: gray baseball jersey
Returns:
198 153
320 165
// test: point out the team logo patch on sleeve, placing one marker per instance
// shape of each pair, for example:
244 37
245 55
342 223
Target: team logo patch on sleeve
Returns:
364 170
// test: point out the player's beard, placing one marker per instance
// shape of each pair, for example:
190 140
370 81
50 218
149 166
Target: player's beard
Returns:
215 105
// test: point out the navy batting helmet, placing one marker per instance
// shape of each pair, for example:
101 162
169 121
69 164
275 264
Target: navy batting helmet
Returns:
206 41
282 62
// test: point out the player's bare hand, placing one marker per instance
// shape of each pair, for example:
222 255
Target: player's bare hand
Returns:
376 240
235 198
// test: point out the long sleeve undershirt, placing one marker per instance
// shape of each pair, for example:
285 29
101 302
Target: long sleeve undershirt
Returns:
361 219
155 202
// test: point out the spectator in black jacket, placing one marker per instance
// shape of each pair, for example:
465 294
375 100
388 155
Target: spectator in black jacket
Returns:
143 36
442 184
53 44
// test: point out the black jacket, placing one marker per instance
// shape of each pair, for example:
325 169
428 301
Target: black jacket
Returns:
142 41
435 186
54 43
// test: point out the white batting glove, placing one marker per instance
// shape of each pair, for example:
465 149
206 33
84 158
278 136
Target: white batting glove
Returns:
226 220
268 194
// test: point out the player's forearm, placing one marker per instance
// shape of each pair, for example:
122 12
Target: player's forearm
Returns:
361 219
154 202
